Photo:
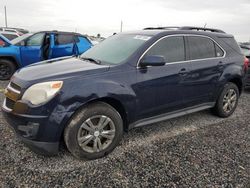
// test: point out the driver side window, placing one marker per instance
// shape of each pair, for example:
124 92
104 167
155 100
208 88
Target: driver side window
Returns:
35 40
171 48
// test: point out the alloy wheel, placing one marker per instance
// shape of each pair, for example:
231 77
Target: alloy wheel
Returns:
229 100
96 133
5 71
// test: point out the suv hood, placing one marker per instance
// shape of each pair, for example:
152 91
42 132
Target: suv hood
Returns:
60 68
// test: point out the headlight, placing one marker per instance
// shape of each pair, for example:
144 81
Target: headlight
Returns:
42 92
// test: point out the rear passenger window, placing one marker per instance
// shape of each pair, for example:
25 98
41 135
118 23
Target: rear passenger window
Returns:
201 48
76 39
172 48
64 39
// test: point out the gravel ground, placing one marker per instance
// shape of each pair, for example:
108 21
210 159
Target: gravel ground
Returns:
197 150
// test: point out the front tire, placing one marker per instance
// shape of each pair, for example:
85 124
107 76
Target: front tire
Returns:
227 101
94 131
7 69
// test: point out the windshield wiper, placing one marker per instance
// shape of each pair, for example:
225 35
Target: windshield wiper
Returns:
96 61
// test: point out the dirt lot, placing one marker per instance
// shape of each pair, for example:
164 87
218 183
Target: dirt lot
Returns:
198 150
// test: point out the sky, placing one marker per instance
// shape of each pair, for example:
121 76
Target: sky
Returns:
104 16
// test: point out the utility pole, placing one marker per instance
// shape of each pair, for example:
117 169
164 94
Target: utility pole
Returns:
5 12
121 25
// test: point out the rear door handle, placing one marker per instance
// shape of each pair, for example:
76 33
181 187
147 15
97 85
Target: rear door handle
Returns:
183 72
220 65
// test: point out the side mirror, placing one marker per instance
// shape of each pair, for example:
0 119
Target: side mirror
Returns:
152 60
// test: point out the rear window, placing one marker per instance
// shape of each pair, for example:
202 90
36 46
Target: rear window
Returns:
64 39
203 47
230 41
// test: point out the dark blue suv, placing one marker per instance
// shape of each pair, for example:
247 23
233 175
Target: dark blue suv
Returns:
129 80
34 47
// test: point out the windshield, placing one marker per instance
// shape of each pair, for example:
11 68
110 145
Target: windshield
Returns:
116 49
21 38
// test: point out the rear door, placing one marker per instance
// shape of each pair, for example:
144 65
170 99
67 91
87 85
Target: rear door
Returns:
207 63
31 52
159 89
63 45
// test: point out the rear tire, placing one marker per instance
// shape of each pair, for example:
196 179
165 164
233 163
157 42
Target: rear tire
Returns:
7 69
94 131
227 101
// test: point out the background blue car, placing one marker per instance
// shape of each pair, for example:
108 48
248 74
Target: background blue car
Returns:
34 47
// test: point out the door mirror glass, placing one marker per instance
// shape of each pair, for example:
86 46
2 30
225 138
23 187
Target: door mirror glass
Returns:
152 60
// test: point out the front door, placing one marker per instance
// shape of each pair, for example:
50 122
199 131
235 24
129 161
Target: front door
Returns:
31 52
159 89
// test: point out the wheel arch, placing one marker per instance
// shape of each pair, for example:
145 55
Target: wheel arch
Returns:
238 82
116 104
12 59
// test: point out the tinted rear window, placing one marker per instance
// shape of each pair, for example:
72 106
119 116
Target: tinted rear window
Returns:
64 39
201 47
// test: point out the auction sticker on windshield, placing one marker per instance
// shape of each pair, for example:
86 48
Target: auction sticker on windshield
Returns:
141 37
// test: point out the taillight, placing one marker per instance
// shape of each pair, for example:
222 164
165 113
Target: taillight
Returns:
246 63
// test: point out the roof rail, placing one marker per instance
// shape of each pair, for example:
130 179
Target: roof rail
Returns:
170 28
186 28
201 29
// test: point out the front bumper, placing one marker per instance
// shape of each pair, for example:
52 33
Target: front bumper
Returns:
40 133
42 148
